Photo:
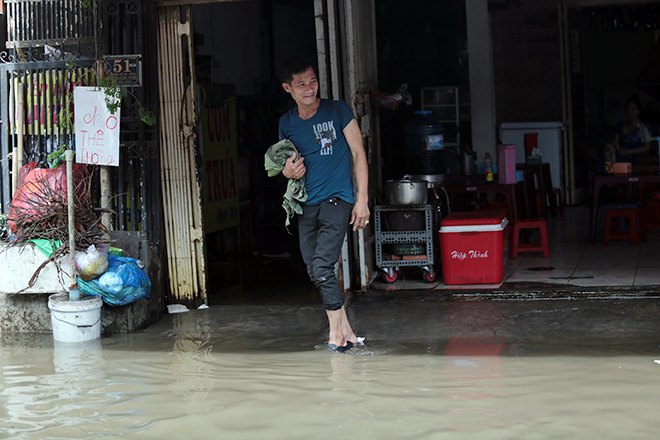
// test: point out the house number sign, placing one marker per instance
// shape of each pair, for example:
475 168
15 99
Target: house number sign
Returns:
126 69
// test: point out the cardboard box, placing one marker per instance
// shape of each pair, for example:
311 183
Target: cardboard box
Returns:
622 168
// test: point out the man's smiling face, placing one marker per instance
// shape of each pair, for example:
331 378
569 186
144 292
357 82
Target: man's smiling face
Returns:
303 87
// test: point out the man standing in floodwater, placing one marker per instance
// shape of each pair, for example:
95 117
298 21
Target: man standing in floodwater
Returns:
327 136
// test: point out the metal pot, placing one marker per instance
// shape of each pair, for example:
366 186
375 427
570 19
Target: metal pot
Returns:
407 191
432 179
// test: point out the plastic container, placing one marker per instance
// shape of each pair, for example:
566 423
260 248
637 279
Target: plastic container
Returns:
474 247
384 100
488 169
75 321
506 164
424 138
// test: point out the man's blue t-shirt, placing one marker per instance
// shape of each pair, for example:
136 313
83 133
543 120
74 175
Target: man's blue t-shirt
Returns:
320 140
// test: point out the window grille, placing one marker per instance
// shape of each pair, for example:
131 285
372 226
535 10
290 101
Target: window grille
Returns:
38 23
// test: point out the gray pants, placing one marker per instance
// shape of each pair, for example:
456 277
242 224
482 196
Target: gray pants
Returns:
322 229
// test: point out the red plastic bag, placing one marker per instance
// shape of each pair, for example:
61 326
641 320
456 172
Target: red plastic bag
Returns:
37 185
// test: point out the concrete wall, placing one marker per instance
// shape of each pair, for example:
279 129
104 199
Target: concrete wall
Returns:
18 265
526 62
482 86
146 311
231 48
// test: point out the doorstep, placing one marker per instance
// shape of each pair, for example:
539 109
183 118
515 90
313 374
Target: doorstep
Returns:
417 290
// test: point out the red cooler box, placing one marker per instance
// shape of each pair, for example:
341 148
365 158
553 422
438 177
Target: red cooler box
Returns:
474 247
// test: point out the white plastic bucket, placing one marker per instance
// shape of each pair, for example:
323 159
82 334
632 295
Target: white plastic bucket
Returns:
75 321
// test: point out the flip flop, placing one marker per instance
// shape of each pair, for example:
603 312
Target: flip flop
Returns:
360 341
338 348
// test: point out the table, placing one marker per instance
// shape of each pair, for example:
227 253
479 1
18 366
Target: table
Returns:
544 180
615 179
477 185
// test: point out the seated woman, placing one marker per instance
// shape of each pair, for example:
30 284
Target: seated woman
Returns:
632 137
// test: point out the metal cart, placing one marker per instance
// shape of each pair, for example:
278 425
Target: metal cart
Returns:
414 240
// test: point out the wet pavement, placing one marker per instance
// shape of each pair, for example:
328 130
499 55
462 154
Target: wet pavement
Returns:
415 318
584 291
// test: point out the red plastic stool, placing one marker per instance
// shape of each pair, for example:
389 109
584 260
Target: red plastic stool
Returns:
530 223
556 192
612 222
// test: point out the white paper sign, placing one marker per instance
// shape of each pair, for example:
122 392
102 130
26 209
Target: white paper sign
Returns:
97 130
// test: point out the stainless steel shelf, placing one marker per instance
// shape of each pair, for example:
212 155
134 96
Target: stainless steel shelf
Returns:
423 237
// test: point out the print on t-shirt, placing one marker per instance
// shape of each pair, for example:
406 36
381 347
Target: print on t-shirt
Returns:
325 133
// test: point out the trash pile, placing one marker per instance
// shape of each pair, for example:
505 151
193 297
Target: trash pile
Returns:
104 272
39 214
39 207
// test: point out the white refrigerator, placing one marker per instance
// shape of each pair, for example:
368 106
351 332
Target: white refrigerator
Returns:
550 143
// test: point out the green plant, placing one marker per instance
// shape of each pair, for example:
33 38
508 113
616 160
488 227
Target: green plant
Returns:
147 117
57 157
113 95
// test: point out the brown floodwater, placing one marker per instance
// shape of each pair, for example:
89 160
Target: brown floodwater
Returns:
202 385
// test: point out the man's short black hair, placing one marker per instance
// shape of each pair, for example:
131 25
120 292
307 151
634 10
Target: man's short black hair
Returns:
294 67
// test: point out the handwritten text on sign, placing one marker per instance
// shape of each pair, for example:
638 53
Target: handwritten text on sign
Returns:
97 130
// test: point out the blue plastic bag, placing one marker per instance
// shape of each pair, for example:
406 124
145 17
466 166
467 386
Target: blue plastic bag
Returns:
123 283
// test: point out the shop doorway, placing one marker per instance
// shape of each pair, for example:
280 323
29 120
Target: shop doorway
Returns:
236 48
237 99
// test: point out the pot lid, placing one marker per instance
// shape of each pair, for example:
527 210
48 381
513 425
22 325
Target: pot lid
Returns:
409 178
434 178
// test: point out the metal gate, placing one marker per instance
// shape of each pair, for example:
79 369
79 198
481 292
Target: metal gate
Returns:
182 195
51 46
